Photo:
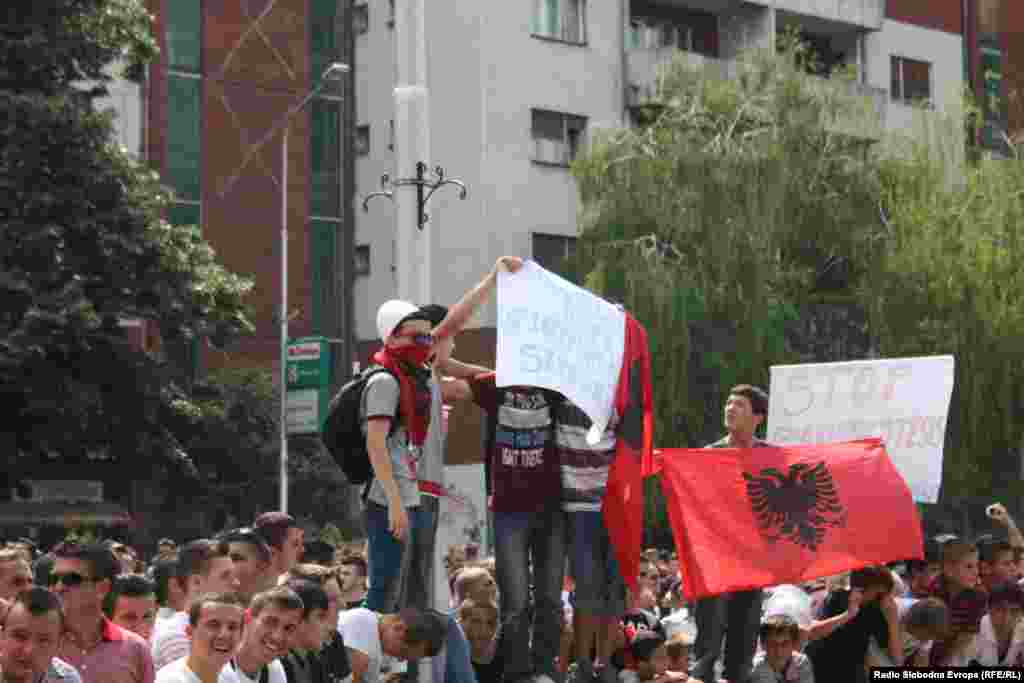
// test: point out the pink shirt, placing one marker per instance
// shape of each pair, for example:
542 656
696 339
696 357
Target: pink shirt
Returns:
120 657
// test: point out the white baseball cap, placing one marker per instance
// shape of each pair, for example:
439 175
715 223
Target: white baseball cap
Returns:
391 314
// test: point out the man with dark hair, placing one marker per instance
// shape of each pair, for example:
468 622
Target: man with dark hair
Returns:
302 663
780 659
332 659
170 596
31 629
99 649
733 616
131 604
352 578
850 619
251 557
274 617
284 536
409 635
996 563
213 630
204 566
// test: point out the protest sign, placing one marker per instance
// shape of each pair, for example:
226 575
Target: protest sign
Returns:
462 520
556 335
904 401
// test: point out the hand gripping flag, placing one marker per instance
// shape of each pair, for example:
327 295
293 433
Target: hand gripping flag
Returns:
623 505
749 518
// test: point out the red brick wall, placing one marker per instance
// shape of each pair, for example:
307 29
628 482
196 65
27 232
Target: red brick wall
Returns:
257 67
943 15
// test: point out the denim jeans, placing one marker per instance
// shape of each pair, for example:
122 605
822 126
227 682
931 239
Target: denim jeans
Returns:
454 664
735 616
522 540
389 559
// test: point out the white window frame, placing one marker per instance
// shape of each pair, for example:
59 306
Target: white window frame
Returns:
561 152
543 17
897 61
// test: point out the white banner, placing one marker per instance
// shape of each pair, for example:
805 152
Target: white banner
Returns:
904 401
462 520
556 335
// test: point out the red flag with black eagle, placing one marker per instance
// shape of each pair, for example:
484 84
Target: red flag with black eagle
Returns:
623 505
749 518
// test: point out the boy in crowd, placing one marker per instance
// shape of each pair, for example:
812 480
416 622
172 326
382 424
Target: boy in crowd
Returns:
780 661
251 558
480 622
131 604
733 617
170 597
204 566
408 636
271 623
1000 639
996 563
214 630
650 661
958 588
31 629
15 573
352 578
850 618
100 650
333 659
284 537
302 664
923 623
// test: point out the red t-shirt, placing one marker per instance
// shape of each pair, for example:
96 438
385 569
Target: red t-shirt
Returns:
523 472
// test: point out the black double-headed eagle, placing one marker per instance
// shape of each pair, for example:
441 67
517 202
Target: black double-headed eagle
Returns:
798 506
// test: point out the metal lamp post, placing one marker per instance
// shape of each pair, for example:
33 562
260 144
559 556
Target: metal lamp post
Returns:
332 73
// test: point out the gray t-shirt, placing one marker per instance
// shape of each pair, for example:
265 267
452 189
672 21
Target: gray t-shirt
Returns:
431 464
380 398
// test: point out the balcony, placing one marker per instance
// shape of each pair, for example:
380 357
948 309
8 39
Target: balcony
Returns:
862 13
865 121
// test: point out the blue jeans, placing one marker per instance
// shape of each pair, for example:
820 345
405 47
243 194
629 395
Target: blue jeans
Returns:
522 539
600 588
455 663
389 559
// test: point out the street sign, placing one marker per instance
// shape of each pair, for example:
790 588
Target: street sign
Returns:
308 377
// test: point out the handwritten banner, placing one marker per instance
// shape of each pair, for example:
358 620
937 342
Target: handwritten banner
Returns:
905 402
556 335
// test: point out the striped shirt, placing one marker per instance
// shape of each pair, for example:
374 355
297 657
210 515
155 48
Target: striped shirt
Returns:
170 642
584 467
119 657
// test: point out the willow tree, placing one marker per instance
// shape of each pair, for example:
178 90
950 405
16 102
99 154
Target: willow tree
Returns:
741 196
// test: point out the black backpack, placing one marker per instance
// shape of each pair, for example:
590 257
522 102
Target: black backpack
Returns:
342 434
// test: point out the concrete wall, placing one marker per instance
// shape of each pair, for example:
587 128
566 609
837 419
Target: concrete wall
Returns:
863 13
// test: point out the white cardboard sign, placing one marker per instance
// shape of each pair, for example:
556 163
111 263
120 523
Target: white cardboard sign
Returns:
556 335
904 401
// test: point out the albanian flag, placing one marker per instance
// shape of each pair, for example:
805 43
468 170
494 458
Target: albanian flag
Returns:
623 505
749 518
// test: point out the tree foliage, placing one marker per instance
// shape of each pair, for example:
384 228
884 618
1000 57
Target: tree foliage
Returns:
749 196
83 246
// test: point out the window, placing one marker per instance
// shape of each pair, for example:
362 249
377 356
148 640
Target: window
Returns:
362 146
556 137
361 260
325 157
911 81
560 20
361 19
391 135
553 251
650 34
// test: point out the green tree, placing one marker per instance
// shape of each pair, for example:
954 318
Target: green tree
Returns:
83 245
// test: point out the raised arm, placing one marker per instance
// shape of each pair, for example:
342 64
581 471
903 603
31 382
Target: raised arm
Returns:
460 313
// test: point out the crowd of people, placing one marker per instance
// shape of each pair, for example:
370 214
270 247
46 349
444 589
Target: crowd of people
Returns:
258 604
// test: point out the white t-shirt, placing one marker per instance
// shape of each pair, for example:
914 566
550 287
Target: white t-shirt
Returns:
232 674
178 672
170 642
360 628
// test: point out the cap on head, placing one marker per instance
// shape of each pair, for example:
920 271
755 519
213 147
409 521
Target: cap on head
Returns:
393 313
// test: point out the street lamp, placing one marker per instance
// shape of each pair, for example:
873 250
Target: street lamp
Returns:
332 73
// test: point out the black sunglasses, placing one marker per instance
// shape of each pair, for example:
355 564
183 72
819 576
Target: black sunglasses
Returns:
71 579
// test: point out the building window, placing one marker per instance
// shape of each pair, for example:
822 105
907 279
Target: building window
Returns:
361 19
391 135
391 13
362 146
556 137
553 252
911 81
651 34
325 157
564 20
361 260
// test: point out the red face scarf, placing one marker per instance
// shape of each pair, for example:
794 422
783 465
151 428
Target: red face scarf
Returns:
406 363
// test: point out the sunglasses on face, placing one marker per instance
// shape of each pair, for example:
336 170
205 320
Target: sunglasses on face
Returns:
419 339
71 579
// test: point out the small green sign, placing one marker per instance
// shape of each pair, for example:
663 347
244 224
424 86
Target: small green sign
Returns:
308 378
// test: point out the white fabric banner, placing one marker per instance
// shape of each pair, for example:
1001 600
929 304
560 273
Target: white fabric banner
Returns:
462 520
904 401
556 335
